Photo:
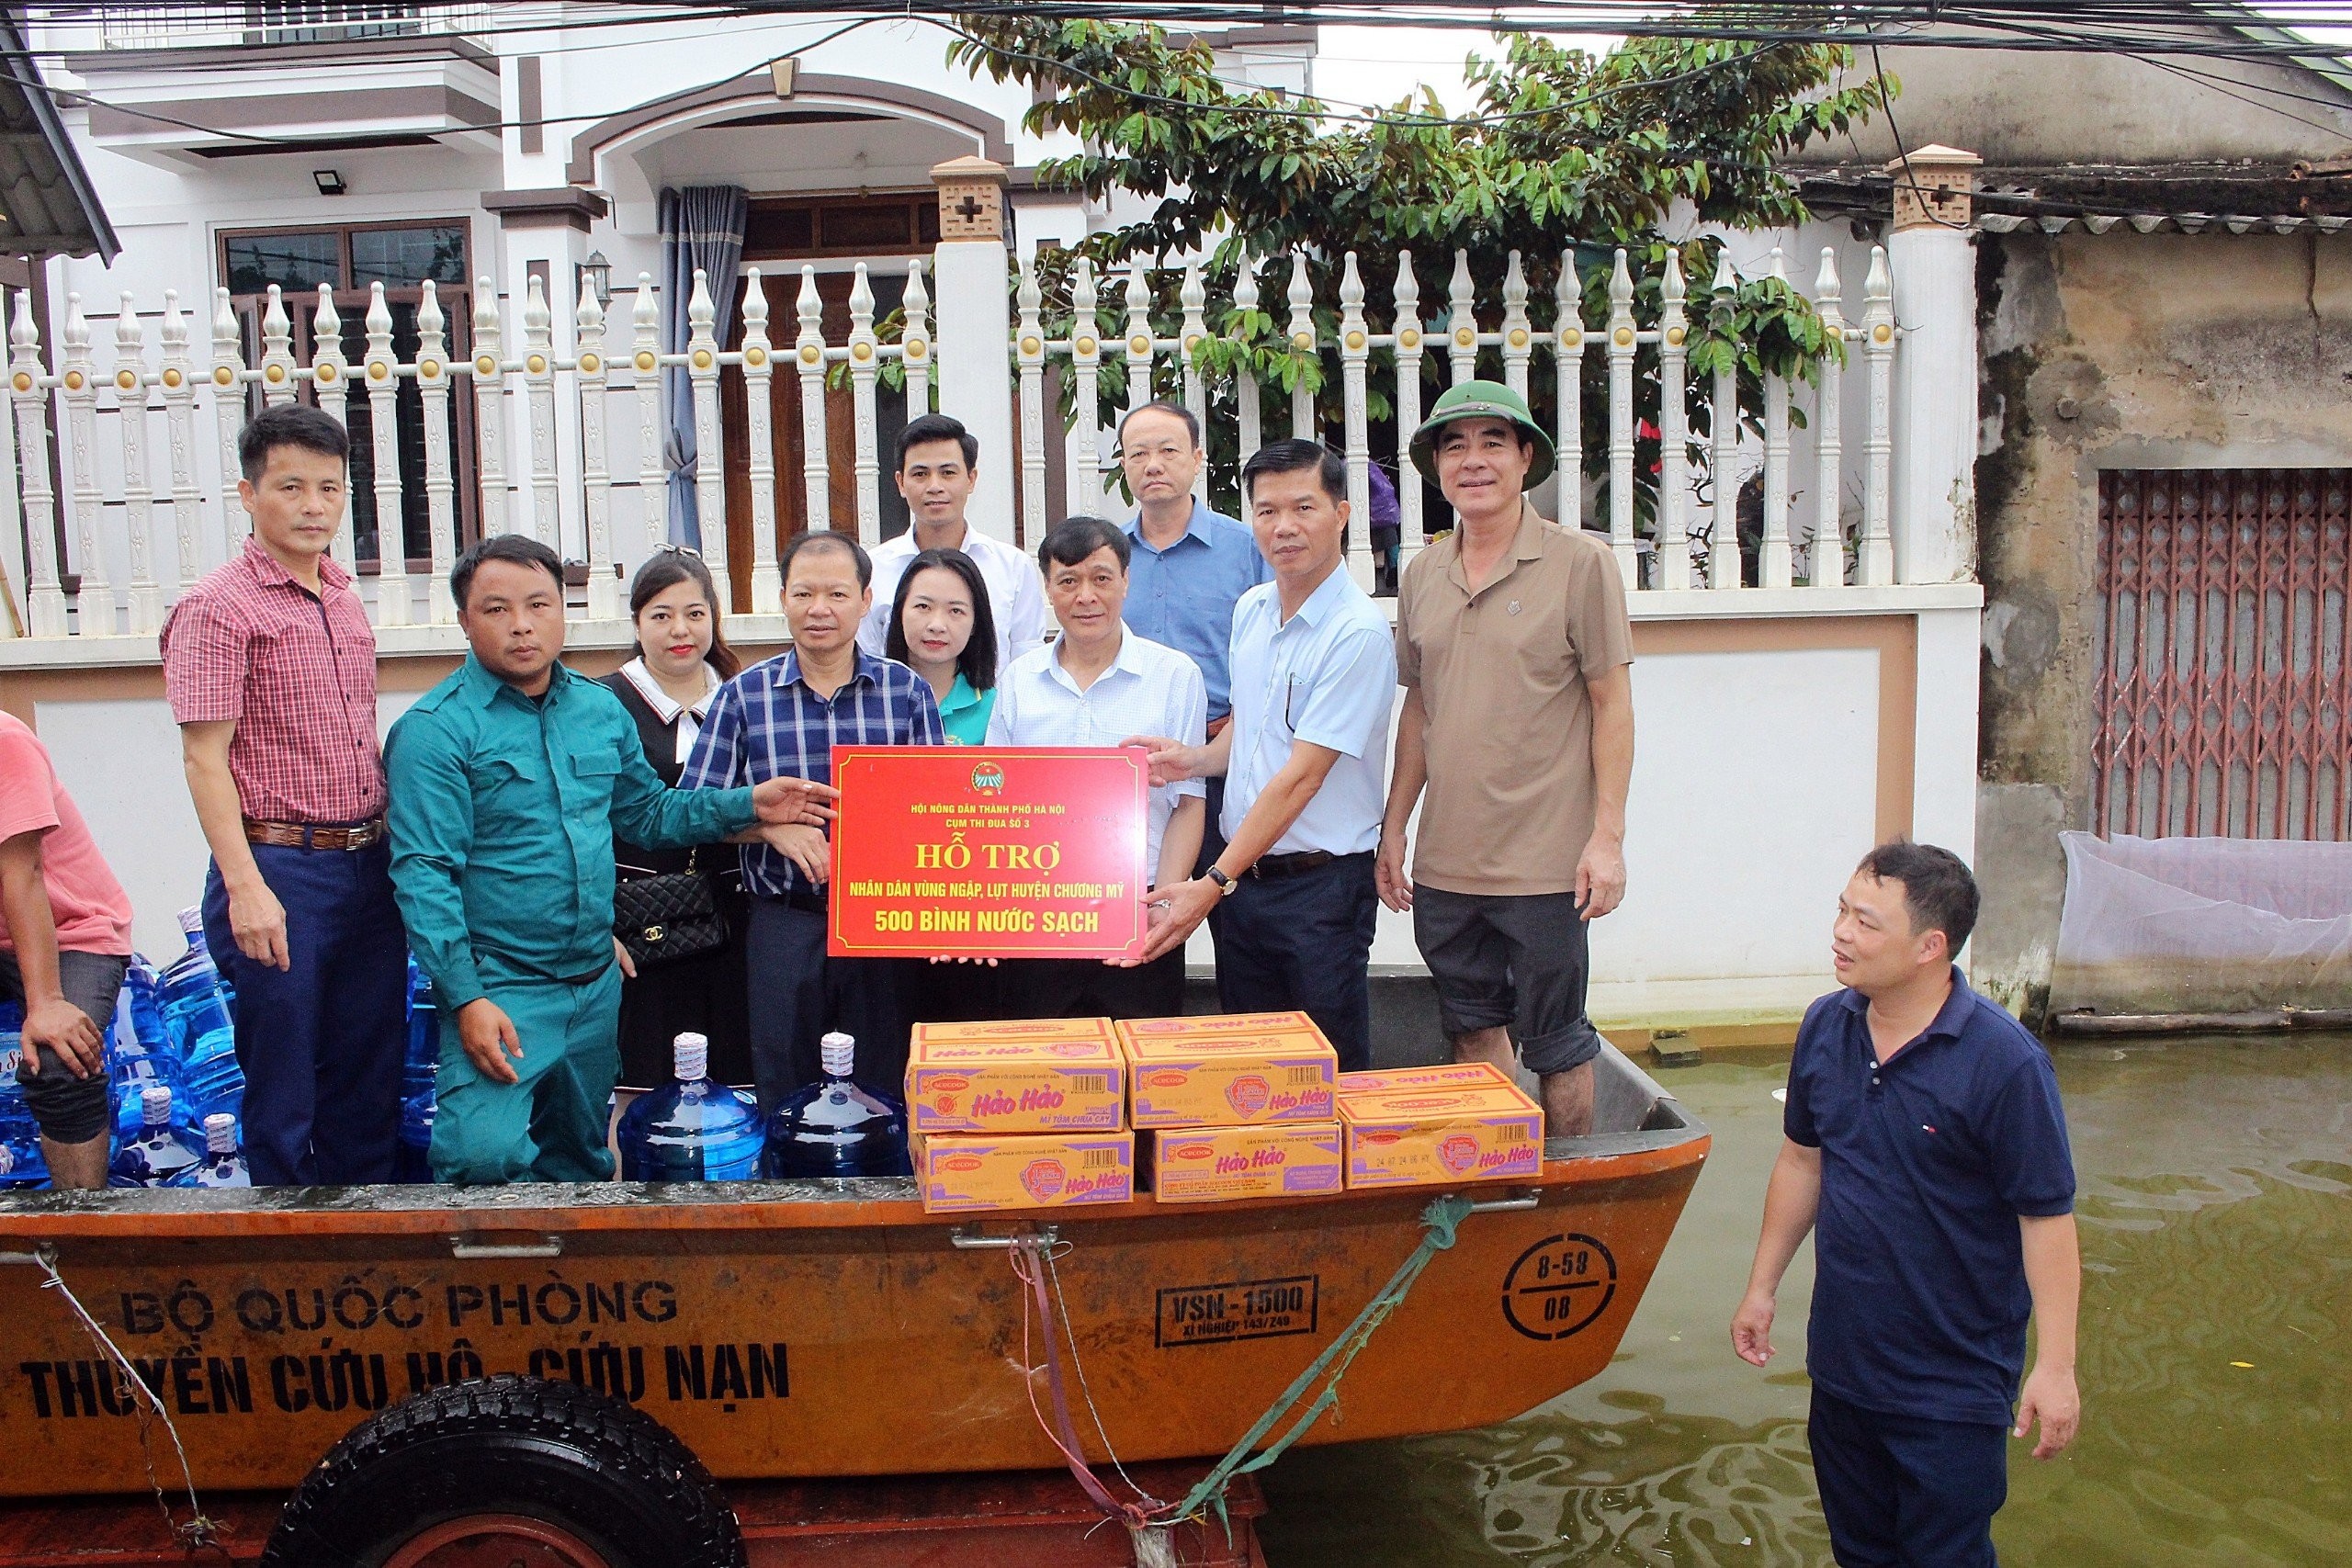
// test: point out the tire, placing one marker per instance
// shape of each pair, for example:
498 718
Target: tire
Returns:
512 1469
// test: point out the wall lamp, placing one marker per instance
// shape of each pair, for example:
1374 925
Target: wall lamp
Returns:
329 182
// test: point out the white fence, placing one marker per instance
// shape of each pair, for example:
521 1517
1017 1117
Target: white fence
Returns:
588 414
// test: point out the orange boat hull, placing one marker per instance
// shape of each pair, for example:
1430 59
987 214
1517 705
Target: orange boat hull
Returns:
803 1329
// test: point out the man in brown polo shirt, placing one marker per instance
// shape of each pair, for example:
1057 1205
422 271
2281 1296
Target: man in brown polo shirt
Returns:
1512 646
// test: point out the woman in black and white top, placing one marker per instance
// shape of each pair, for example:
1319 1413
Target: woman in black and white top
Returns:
681 659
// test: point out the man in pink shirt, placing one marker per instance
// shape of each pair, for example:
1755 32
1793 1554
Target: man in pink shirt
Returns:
64 943
270 666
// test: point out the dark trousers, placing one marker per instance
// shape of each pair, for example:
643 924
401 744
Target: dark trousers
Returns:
1088 987
1305 941
320 1041
1900 1492
798 994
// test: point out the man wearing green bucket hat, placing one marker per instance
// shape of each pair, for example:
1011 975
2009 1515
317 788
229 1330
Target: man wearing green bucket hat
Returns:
1512 646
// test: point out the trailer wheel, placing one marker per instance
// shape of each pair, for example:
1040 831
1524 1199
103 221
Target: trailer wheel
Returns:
508 1472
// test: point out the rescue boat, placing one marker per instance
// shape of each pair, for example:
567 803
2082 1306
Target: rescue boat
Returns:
812 1330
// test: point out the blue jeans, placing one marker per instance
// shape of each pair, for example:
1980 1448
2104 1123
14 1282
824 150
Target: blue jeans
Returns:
1305 943
1903 1492
320 1043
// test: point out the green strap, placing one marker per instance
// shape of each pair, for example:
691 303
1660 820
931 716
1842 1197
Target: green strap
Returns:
1439 1221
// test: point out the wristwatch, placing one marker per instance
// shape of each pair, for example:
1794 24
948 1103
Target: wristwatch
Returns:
1225 884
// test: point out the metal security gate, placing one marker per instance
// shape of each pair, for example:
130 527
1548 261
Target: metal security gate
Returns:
2224 696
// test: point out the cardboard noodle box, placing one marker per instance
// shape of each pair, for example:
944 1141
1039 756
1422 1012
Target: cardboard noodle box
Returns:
1210 1165
966 1174
1022 1076
1238 1070
1449 1075
1435 1137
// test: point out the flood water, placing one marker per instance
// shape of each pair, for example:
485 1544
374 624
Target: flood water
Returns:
2215 1200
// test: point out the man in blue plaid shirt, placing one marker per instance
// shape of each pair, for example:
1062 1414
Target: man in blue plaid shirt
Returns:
783 717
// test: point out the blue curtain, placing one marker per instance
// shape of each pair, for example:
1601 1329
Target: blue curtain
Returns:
702 227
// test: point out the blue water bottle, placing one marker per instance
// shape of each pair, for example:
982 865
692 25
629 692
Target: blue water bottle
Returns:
691 1129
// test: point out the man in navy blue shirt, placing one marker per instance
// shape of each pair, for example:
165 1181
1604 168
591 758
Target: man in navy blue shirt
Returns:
1925 1148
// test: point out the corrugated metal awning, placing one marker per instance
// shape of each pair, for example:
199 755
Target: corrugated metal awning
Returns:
47 204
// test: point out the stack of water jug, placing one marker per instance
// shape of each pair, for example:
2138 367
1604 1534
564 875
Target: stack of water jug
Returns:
176 1087
693 1128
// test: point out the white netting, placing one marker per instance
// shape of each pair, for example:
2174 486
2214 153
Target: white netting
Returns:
2203 925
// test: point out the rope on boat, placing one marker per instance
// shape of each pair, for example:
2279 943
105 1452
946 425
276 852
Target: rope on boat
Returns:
1148 1520
200 1532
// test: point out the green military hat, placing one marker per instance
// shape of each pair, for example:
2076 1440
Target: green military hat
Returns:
1481 399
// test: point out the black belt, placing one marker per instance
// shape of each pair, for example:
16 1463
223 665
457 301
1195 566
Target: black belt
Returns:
1272 868
809 903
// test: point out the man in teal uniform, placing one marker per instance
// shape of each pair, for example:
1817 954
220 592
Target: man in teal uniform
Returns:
508 783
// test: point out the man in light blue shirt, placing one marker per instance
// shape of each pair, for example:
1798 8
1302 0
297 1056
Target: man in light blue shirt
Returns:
1314 669
1098 684
1190 566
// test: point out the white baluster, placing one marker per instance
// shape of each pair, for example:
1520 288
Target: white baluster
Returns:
277 351
1775 562
1030 353
330 381
1303 426
1723 540
591 374
1620 423
816 488
759 435
138 481
1407 295
87 500
1085 438
1462 342
44 598
1876 566
229 417
1518 340
1195 299
645 366
433 385
1673 424
1568 369
1138 336
538 398
179 434
1356 349
1828 565
490 411
1245 384
915 341
710 462
384 439
865 427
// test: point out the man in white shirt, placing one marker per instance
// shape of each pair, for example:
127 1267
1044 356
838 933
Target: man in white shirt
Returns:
938 466
1100 683
1305 763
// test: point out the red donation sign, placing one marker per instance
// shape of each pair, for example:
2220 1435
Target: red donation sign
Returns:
965 852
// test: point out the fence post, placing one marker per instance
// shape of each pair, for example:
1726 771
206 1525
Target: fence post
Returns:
44 598
1622 346
384 425
1085 441
228 415
1933 251
95 603
1302 426
440 483
277 351
1519 343
590 372
1032 357
1568 369
138 480
914 341
1723 485
1775 562
975 331
330 383
1195 299
1356 349
490 410
538 392
1828 568
1462 321
1245 384
1138 336
808 348
759 437
1407 324
645 363
1875 565
1673 426
865 461
710 452
179 428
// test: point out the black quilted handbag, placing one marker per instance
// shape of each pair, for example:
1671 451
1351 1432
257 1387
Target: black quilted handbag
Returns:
662 920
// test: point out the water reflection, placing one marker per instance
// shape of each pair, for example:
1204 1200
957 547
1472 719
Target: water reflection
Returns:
2216 1207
